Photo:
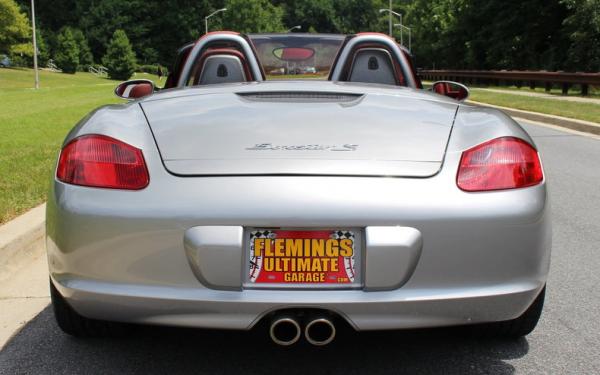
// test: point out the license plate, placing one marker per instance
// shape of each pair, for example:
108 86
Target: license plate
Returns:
302 257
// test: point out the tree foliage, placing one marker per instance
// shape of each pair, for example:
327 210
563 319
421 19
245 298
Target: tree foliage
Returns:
85 53
67 56
311 15
14 29
42 46
481 34
252 16
352 16
583 29
473 34
119 59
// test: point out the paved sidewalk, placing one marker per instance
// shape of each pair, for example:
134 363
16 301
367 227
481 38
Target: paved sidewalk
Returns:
542 95
23 296
24 288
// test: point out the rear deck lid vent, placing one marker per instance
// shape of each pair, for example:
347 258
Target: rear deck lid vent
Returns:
300 96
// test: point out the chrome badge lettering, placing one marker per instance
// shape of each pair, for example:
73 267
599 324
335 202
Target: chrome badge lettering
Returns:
312 147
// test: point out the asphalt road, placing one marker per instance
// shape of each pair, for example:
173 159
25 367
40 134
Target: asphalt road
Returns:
567 340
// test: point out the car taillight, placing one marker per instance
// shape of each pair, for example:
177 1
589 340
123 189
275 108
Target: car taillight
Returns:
502 163
101 161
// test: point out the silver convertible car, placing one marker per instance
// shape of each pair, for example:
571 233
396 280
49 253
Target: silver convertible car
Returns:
299 181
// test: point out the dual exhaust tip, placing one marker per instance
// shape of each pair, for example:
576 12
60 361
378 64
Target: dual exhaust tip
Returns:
286 331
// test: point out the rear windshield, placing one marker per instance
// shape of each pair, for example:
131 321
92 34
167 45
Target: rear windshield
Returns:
295 55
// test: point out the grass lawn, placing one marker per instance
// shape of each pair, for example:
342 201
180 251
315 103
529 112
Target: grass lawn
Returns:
33 124
594 92
576 110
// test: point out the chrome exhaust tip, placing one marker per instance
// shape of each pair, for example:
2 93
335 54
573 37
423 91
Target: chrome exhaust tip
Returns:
285 331
320 331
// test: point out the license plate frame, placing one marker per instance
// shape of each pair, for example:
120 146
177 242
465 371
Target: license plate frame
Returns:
252 281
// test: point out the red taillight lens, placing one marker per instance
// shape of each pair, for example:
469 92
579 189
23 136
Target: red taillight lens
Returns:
101 161
502 163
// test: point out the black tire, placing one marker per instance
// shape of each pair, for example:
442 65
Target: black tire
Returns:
76 325
516 328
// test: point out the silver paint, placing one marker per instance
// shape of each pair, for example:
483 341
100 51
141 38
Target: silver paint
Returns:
215 255
209 134
391 256
120 255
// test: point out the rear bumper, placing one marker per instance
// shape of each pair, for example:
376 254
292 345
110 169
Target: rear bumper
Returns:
194 307
118 255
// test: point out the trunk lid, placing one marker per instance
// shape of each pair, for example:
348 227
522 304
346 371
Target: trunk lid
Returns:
287 133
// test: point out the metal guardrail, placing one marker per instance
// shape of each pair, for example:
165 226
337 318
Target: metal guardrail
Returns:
52 66
99 70
518 78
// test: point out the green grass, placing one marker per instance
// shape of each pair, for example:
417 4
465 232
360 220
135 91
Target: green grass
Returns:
594 92
33 124
576 110
575 91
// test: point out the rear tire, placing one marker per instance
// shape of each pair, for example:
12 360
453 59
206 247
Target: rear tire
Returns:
516 328
76 325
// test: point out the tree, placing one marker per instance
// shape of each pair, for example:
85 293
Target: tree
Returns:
149 56
184 20
43 54
462 34
14 29
67 55
458 34
583 29
134 17
85 54
119 59
315 15
252 16
352 16
56 14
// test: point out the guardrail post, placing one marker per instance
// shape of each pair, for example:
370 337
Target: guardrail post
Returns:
565 88
584 89
548 86
532 85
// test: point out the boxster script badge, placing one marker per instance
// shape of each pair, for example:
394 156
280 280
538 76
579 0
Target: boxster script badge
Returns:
312 147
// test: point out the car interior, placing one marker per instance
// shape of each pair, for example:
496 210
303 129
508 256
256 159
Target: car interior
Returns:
370 62
221 63
372 65
226 62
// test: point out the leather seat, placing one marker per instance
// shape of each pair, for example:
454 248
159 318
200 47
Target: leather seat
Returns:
223 65
373 58
372 65
222 69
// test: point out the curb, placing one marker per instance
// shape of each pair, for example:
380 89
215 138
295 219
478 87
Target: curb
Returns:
22 239
565 122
